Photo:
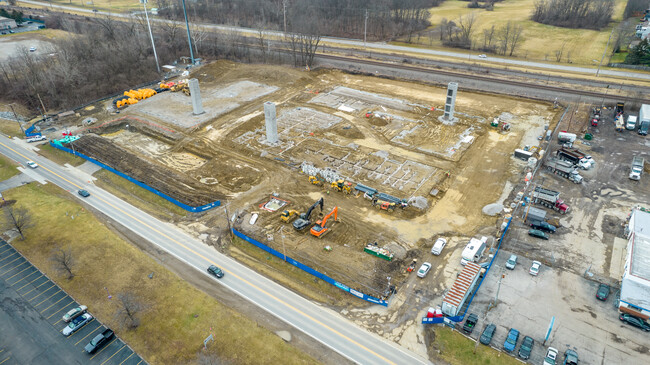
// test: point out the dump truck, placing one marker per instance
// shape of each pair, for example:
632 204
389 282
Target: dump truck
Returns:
572 155
462 288
304 220
563 168
550 199
636 170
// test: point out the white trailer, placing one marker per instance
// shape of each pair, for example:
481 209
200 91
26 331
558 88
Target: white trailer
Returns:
473 251
459 292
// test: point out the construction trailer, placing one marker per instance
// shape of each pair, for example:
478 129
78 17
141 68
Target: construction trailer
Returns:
533 214
462 288
635 283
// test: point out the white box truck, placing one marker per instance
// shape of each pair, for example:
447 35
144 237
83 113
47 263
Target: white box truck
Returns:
473 251
636 170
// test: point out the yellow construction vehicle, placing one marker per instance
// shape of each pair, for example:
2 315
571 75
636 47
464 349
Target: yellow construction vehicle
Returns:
342 185
384 205
288 215
314 180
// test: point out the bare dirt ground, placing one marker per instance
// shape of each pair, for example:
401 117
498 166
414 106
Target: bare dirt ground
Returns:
382 133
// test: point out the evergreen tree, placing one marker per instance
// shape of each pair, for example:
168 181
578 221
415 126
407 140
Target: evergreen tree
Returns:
640 54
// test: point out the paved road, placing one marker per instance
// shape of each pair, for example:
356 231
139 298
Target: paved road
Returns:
322 324
385 47
30 321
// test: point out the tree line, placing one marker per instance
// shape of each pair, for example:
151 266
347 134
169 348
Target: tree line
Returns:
105 56
383 19
588 14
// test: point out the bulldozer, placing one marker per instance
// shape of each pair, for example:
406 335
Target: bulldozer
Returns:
342 185
314 180
288 215
320 229
303 221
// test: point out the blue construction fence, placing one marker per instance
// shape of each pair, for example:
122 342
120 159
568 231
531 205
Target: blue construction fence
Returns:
140 184
309 270
459 318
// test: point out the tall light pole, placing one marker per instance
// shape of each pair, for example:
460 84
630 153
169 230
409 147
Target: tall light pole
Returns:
189 39
604 51
155 55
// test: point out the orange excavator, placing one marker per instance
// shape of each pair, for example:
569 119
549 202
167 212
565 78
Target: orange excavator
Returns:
319 229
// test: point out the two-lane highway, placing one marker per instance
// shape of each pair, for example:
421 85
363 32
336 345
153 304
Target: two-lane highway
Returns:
322 324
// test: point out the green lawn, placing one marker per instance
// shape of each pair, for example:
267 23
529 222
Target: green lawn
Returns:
59 156
177 317
539 41
7 168
458 350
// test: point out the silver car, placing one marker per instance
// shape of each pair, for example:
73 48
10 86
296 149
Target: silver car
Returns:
512 262
74 313
76 324
424 270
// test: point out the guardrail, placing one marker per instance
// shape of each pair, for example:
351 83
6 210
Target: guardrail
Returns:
140 184
309 270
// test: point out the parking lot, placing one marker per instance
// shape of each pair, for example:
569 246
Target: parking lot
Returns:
30 320
587 249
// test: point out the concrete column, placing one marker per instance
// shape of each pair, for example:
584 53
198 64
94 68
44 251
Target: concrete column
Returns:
271 122
450 101
195 95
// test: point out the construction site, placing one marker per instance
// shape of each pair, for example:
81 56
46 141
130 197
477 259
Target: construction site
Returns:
353 175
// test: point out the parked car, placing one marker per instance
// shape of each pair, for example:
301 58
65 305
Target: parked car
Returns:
32 164
424 270
74 313
215 271
570 357
76 324
98 341
617 299
512 262
635 321
543 226
84 193
36 139
438 246
534 269
551 356
537 233
488 333
470 323
32 49
511 341
603 292
526 347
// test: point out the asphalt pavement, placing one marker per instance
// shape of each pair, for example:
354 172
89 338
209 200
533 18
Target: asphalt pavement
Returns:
322 324
31 310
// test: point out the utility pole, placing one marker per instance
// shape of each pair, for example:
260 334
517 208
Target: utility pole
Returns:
43 106
284 250
225 208
16 116
284 14
189 39
605 51
496 297
144 4
365 29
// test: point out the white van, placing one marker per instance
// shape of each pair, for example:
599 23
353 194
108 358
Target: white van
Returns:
473 251
631 122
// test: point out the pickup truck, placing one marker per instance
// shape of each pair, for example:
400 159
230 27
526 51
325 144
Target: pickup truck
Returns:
99 341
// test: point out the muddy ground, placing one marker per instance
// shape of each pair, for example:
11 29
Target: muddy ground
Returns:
382 133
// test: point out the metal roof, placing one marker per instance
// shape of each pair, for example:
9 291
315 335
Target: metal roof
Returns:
463 282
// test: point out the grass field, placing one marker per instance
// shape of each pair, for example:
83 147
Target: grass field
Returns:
59 156
139 197
539 41
104 4
178 316
458 350
7 168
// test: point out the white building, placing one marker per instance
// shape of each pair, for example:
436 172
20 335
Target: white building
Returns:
635 285
6 23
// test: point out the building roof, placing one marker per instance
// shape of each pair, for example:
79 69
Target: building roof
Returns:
462 284
635 288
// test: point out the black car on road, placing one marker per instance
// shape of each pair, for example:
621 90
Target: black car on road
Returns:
215 271
84 193
635 321
470 323
543 226
488 333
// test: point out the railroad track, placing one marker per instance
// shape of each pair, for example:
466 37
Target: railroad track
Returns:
557 89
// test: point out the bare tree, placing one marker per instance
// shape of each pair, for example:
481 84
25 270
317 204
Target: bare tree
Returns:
466 24
515 35
63 261
504 38
19 219
559 53
130 307
261 37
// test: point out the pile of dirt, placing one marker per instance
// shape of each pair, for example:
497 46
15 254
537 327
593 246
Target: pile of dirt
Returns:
167 181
